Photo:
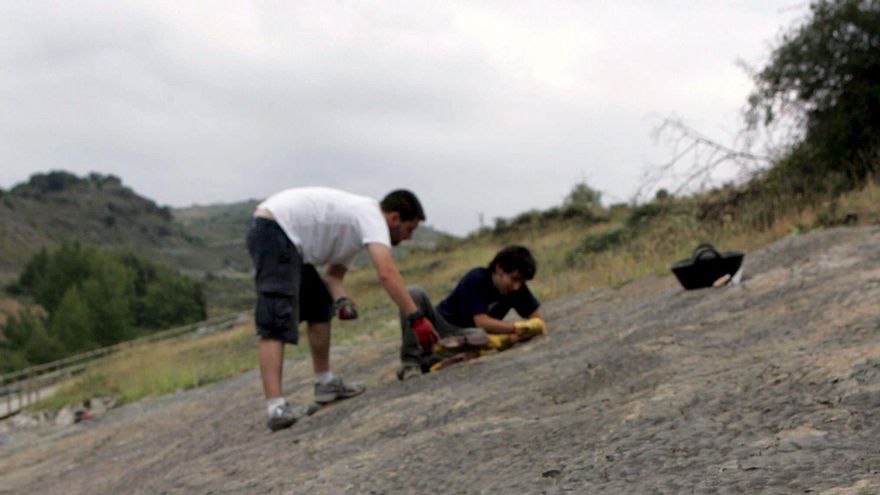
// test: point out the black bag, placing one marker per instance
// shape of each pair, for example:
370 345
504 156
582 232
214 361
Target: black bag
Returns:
706 267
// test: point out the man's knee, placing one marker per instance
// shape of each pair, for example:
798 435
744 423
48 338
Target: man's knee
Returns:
420 297
417 292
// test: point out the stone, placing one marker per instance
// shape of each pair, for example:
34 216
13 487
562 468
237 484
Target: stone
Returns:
24 421
99 407
65 416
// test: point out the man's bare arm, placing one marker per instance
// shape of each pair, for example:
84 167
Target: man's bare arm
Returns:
390 277
333 276
494 325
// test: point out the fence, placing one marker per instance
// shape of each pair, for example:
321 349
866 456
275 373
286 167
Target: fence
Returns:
23 387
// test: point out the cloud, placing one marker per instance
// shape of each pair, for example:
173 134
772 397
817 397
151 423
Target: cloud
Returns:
485 108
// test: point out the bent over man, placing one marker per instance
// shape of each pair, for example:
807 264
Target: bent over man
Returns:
291 234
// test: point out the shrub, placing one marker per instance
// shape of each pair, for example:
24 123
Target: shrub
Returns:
597 243
96 298
825 76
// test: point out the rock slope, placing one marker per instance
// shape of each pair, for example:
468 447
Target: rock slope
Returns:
770 386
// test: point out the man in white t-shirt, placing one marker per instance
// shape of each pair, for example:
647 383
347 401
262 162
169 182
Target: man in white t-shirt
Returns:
293 232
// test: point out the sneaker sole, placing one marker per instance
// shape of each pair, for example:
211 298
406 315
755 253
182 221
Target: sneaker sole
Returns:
333 397
456 359
405 373
276 424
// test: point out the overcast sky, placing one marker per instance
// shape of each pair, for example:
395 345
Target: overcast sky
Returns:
488 108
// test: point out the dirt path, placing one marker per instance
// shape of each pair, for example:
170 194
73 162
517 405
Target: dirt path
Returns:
772 386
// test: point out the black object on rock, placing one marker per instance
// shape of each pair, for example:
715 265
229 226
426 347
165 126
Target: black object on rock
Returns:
707 267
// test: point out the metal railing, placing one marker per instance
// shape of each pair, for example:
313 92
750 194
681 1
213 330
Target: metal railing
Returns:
22 388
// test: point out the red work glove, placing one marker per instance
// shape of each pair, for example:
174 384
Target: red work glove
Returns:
424 331
346 309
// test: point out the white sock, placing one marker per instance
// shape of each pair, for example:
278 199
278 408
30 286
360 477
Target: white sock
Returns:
274 402
324 377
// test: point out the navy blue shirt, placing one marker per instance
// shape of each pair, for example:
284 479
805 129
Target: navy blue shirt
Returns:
475 294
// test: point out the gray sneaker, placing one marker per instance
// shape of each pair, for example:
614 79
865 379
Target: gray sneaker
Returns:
285 416
407 371
336 389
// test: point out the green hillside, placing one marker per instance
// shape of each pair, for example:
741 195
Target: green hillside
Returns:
222 228
94 210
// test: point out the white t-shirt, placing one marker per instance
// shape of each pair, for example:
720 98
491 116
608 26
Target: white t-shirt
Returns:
328 226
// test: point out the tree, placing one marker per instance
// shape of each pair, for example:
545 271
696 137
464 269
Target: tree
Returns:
42 347
825 77
18 328
35 268
172 300
48 278
27 341
94 298
11 360
73 322
583 197
109 293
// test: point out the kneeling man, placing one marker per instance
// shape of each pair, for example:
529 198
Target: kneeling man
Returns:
476 307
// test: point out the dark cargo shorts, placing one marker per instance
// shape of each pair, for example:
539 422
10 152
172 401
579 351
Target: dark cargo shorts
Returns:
288 291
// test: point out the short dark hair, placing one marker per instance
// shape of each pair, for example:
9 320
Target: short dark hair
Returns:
515 259
404 202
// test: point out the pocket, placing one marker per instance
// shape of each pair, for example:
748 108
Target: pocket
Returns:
278 266
275 312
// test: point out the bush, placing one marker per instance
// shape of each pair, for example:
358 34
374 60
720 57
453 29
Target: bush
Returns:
583 197
11 360
825 76
501 226
598 243
40 184
95 298
643 214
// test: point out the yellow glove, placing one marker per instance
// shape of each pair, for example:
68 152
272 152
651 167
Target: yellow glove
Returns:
499 342
530 327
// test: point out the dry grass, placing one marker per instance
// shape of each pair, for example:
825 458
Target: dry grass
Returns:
162 367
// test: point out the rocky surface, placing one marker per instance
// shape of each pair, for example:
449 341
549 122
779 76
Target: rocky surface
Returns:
770 386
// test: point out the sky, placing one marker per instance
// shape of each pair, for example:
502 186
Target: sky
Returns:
483 109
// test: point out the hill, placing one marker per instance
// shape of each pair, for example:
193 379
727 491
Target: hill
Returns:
202 240
769 386
97 210
222 227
